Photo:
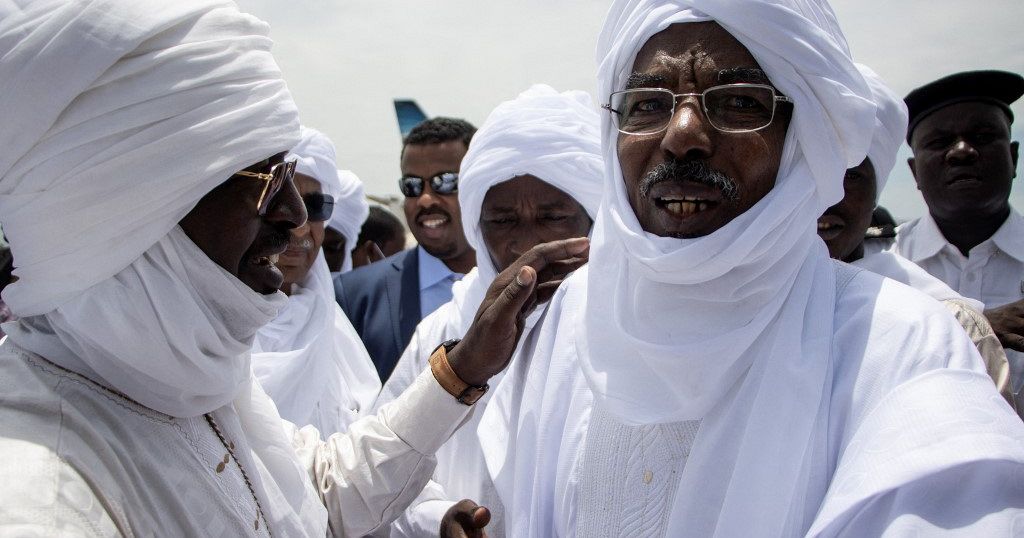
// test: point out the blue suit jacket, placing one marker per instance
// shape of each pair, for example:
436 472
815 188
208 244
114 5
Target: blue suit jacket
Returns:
382 300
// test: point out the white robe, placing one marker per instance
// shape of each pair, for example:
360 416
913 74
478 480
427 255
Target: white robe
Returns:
915 436
311 361
77 459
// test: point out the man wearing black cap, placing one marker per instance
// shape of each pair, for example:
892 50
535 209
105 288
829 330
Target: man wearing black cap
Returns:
964 163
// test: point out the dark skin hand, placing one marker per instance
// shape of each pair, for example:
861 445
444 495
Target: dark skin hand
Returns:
465 519
532 279
1008 323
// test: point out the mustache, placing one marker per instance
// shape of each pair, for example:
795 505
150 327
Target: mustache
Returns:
693 171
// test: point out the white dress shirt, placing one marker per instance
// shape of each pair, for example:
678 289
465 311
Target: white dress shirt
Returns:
992 272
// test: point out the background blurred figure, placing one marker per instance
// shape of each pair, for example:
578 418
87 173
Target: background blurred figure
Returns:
964 163
844 227
382 235
350 211
309 359
386 300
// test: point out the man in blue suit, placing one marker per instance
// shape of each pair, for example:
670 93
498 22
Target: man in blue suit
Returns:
386 300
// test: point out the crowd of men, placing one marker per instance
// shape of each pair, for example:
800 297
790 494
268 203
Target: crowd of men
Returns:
669 314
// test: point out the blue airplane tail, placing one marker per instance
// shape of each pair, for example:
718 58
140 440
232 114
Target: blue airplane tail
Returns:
409 114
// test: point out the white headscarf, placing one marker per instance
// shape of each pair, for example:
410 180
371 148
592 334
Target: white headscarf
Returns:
310 359
890 125
119 115
552 136
733 328
350 212
316 157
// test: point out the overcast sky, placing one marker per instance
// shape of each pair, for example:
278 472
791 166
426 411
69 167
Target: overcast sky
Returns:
345 60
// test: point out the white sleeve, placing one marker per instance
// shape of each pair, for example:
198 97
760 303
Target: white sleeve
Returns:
423 517
368 475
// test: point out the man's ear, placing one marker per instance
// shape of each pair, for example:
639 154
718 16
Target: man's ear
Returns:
1014 149
913 172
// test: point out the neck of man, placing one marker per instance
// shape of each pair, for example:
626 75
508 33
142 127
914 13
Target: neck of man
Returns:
968 231
463 263
856 254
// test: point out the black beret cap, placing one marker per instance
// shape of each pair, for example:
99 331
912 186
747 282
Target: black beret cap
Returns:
999 88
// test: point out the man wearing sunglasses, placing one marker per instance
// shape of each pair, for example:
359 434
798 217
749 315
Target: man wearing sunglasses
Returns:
386 300
309 359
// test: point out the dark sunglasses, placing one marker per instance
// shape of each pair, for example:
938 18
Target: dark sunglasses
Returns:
443 183
319 206
279 174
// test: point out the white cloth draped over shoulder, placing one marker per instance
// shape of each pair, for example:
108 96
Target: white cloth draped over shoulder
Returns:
734 329
554 137
92 147
310 359
677 329
119 116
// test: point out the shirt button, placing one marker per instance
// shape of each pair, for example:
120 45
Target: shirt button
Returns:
648 476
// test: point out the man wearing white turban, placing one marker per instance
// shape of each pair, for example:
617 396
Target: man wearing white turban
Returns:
843 228
711 372
532 175
342 234
156 131
309 359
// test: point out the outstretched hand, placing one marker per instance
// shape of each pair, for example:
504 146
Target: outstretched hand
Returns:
465 519
1008 323
532 279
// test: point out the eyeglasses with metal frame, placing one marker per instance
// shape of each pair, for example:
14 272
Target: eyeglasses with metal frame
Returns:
730 108
280 174
443 183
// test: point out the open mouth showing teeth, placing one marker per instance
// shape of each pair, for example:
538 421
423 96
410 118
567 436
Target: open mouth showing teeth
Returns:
685 205
827 226
266 261
433 222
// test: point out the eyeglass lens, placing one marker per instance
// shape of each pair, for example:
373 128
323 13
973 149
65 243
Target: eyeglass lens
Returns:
728 108
280 173
319 206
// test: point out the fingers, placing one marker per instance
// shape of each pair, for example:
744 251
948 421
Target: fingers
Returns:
1012 341
481 517
516 293
546 254
465 519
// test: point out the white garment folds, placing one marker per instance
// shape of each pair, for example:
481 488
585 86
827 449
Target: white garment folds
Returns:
740 330
554 137
119 116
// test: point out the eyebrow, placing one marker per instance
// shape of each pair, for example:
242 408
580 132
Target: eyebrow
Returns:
645 80
735 75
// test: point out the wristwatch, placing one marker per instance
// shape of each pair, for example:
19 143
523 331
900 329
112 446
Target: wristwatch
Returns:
446 377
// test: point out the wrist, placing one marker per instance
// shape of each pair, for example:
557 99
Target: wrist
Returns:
451 375
464 367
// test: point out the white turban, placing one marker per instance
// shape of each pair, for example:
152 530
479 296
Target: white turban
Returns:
890 125
112 145
732 328
552 136
350 212
315 157
119 115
